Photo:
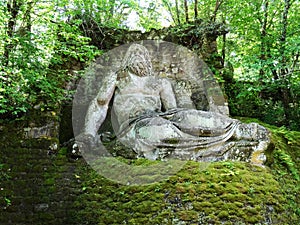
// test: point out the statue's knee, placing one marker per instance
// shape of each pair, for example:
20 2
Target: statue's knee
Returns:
252 132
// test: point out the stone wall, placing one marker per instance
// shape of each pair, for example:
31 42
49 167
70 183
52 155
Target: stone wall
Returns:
36 179
41 188
198 36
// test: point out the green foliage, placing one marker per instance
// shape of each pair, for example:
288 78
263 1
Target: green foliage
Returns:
8 201
112 13
287 161
151 15
248 99
283 139
4 175
286 166
263 46
32 52
40 41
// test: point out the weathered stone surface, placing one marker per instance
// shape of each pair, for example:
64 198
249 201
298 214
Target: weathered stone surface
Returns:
156 117
198 35
37 130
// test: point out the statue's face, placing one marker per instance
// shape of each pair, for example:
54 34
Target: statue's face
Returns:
137 60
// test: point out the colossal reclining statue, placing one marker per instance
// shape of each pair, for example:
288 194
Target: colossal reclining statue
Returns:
153 123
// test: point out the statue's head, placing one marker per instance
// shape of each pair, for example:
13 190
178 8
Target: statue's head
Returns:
137 61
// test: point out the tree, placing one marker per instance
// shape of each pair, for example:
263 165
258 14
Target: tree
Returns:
186 10
264 39
177 12
263 46
33 41
13 8
196 9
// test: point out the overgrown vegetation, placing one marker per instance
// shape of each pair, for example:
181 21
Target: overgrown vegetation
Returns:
263 102
4 198
261 49
44 45
34 44
215 193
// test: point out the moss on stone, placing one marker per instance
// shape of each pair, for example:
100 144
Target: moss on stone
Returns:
200 193
216 193
223 194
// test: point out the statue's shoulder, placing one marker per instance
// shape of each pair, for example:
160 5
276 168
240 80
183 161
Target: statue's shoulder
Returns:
193 82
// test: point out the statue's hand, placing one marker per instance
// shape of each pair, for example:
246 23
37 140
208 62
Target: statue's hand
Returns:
85 141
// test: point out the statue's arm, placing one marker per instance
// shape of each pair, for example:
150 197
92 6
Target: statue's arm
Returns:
98 107
167 95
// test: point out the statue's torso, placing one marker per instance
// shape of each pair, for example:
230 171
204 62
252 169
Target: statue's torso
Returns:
135 96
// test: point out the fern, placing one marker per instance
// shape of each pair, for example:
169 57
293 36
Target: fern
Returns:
286 160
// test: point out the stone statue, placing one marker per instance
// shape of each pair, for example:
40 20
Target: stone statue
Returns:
152 125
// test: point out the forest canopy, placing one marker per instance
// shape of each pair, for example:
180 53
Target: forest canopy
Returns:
260 52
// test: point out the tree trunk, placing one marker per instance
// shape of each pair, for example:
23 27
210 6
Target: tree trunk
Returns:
177 12
217 7
186 10
223 47
13 10
284 73
196 9
263 40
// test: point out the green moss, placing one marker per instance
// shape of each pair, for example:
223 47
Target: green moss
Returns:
46 216
218 196
49 181
188 215
217 193
63 151
223 214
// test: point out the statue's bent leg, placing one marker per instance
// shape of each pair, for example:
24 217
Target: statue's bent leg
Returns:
156 133
204 120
